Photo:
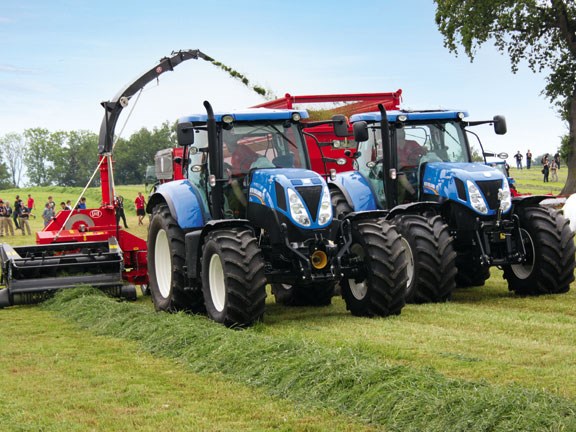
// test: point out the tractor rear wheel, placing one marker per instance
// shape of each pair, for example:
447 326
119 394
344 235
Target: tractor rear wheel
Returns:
550 261
319 294
166 260
431 258
381 282
340 206
233 279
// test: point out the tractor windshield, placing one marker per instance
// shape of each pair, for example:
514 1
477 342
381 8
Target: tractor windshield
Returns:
262 145
418 143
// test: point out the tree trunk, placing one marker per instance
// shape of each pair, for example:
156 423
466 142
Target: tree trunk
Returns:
570 186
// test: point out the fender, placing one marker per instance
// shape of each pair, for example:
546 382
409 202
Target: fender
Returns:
184 201
357 190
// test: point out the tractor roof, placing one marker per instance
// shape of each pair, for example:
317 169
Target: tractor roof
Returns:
248 114
410 115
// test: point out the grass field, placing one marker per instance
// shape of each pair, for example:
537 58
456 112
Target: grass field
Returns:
487 360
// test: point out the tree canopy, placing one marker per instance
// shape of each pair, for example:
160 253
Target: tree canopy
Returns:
540 32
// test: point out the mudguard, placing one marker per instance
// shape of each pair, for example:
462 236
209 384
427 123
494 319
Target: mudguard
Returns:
357 190
184 201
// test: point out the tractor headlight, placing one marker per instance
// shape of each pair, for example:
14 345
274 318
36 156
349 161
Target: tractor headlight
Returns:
476 199
298 209
505 197
325 213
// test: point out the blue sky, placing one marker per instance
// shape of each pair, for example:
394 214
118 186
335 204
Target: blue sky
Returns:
59 59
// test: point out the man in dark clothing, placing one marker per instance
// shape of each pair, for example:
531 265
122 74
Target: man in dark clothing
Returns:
120 211
16 211
528 159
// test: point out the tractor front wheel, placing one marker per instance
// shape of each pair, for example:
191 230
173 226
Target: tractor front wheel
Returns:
233 279
431 258
549 245
380 284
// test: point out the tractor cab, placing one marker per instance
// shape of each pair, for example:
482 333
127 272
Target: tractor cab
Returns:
426 157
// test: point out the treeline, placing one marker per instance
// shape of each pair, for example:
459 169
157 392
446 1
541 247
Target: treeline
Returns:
38 157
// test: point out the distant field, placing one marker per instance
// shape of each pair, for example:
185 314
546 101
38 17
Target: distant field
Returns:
486 360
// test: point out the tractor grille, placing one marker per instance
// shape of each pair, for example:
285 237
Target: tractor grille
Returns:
311 197
490 190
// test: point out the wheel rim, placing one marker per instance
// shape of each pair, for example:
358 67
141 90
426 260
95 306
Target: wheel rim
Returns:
358 289
523 271
410 264
217 284
163 264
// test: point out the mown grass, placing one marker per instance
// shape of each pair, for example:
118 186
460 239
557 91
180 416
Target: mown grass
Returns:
346 378
56 377
487 360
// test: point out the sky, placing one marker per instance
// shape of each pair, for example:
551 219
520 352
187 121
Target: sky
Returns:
60 59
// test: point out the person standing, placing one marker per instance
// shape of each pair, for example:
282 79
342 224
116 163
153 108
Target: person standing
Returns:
553 170
119 205
140 203
16 211
557 159
51 202
518 156
30 204
82 203
528 159
47 214
3 217
545 167
23 219
8 220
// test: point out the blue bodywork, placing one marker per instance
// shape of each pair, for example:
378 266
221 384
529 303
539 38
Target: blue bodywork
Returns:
263 191
358 190
439 180
185 203
393 116
251 114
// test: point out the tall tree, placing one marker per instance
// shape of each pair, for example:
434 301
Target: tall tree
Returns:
75 162
132 156
41 150
541 32
13 148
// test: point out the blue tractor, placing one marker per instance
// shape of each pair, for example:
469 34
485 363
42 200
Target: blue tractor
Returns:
251 213
457 217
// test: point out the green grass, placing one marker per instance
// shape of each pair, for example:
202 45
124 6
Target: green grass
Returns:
487 360
531 181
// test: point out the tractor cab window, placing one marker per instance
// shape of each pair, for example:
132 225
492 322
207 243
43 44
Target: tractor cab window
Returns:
438 141
262 145
369 162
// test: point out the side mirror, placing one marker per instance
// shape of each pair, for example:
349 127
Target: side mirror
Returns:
360 131
185 133
500 125
340 125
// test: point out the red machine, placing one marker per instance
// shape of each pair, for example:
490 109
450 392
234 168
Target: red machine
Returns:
320 139
86 246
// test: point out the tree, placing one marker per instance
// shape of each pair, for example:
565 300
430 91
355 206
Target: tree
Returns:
132 156
41 150
13 148
75 162
540 32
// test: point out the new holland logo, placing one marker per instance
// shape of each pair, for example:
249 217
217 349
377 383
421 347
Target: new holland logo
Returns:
95 213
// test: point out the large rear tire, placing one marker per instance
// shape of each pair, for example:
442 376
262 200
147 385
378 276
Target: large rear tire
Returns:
166 261
319 294
233 279
379 289
431 258
549 244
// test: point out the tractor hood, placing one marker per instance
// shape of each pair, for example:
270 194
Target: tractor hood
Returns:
479 187
300 195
